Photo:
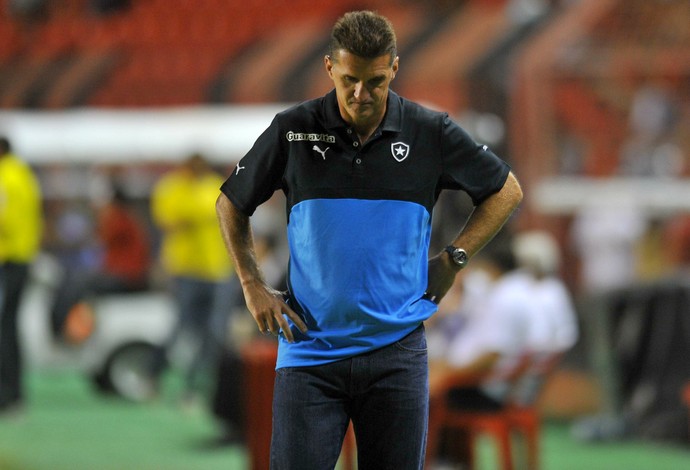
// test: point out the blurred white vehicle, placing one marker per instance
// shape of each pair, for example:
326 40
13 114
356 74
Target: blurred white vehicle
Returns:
128 328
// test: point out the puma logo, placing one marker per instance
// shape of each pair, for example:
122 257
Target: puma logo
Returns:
322 152
238 168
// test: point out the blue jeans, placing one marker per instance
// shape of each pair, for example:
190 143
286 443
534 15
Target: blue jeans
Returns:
384 392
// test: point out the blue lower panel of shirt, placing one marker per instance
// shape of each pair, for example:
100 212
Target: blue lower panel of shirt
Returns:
358 270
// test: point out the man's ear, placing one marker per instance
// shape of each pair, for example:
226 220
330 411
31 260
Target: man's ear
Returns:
328 63
394 66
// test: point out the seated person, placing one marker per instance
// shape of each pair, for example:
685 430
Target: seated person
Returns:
491 344
496 313
555 326
124 267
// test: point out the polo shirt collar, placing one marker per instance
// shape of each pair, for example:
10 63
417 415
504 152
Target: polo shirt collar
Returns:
392 121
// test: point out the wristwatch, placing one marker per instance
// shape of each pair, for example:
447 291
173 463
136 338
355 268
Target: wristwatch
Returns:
457 255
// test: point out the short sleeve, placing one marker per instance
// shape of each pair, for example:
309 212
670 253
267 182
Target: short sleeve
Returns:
469 166
259 173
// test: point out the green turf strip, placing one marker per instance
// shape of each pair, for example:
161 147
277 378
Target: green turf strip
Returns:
67 426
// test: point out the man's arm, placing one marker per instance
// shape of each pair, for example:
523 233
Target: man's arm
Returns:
264 303
482 225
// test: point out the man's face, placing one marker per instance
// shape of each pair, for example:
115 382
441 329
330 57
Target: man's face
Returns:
361 86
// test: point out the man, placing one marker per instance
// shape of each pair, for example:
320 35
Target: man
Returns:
193 255
361 169
21 228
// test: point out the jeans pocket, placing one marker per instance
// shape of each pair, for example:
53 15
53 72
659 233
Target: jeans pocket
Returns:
413 342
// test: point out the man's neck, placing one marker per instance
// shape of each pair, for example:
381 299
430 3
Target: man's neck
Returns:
365 135
365 130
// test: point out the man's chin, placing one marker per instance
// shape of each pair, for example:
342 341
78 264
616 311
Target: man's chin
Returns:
362 111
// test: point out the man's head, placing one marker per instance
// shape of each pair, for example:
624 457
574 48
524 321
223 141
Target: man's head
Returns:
362 61
537 251
196 165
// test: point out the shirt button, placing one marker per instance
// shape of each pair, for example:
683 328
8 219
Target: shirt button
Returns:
349 131
358 161
355 144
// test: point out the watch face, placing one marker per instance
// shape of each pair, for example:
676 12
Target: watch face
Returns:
458 255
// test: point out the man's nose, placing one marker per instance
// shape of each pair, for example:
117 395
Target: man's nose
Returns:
361 91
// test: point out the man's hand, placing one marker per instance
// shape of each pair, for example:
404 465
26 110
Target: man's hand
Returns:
264 303
482 225
440 278
269 310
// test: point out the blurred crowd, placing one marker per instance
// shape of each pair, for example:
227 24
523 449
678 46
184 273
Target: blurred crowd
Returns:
35 10
618 242
103 246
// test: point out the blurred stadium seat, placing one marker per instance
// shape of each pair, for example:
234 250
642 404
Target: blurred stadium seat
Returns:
189 52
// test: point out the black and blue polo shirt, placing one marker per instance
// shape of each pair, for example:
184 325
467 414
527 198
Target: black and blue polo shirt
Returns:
359 217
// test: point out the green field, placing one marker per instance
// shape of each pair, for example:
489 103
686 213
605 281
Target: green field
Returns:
66 426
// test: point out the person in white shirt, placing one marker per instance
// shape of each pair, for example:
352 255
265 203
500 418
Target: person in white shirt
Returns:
488 349
494 337
555 326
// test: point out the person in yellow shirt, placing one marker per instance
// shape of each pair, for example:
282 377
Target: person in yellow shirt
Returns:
21 228
194 257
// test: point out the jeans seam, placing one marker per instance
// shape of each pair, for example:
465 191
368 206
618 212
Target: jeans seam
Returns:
414 350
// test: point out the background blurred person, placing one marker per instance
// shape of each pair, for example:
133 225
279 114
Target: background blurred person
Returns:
108 6
124 264
555 328
675 240
27 10
488 350
605 236
494 335
21 228
194 257
229 395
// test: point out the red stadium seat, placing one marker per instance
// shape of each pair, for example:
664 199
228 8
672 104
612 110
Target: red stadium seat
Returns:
501 425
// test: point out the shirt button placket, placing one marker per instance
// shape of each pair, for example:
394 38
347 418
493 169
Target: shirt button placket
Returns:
358 159
355 144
